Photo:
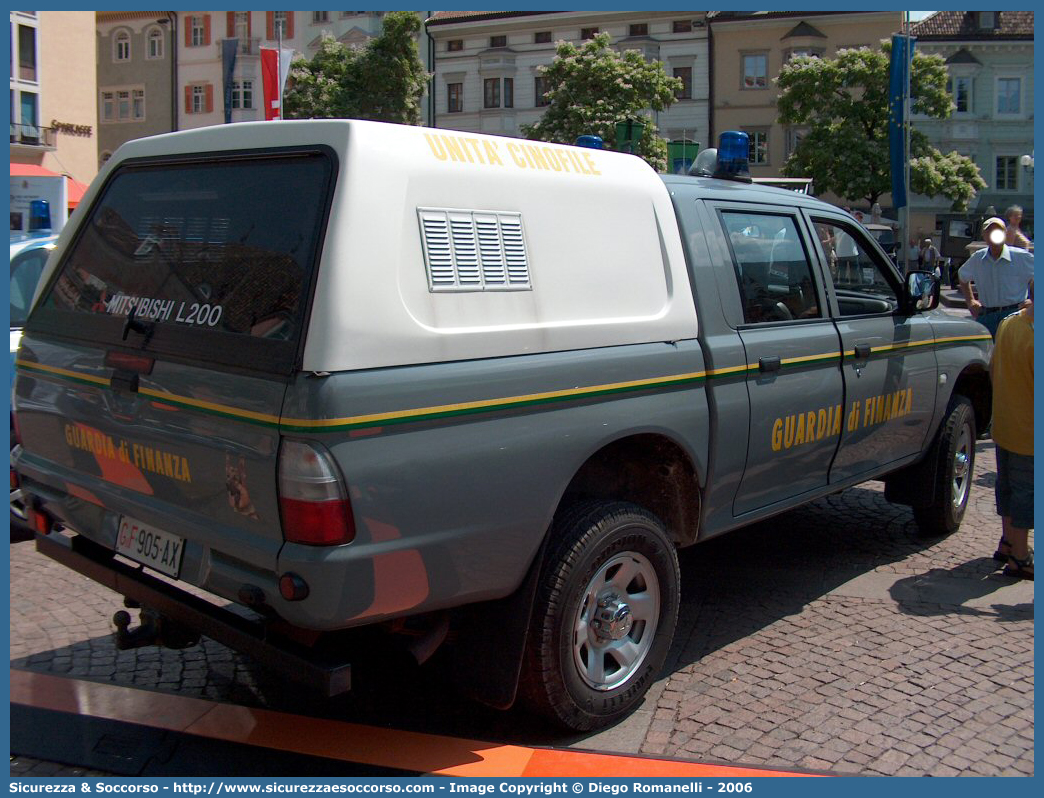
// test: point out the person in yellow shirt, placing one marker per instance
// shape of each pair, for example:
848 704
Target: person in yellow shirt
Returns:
1011 372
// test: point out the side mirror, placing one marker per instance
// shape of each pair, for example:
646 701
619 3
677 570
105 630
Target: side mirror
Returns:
922 291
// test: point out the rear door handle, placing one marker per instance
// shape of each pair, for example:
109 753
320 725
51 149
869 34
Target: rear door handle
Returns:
769 364
862 351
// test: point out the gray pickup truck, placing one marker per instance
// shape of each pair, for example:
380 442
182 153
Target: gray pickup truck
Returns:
314 388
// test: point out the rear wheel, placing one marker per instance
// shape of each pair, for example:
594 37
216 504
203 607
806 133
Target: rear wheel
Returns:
604 618
955 450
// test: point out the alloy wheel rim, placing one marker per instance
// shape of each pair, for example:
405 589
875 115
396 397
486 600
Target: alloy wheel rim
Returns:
616 621
962 459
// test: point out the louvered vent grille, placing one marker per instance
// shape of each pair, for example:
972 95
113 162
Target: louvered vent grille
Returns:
474 250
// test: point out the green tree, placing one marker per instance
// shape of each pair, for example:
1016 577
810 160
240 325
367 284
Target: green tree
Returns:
591 88
384 80
844 103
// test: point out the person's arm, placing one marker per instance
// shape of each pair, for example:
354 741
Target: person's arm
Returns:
964 278
974 305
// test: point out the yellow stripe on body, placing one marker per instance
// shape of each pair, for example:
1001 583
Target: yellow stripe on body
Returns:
26 364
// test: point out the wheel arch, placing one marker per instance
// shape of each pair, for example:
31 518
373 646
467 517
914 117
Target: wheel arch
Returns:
648 469
906 486
974 383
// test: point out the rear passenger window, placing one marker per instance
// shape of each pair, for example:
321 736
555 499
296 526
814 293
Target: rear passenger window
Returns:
772 267
860 282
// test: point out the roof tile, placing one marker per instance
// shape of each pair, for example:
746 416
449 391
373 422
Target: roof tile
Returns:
963 25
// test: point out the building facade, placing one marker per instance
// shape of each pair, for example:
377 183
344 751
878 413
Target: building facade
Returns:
989 57
748 50
487 77
54 119
136 76
201 35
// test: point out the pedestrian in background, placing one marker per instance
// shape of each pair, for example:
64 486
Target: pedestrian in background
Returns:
1001 275
1015 237
1011 372
913 256
928 260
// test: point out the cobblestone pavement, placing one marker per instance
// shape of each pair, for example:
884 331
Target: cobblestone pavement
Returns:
832 637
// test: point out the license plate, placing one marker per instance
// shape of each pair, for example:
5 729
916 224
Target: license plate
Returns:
150 546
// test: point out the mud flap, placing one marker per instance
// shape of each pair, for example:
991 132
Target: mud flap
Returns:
492 641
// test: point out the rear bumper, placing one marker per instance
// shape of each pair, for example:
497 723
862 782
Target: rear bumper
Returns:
254 638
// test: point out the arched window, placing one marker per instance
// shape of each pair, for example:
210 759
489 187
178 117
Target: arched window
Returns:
154 48
121 46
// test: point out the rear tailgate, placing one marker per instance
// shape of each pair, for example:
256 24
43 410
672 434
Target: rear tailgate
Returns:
154 366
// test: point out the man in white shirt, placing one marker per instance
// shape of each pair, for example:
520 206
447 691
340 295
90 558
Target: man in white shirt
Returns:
1001 275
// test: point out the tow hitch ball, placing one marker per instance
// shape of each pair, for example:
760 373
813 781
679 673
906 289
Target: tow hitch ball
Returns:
153 629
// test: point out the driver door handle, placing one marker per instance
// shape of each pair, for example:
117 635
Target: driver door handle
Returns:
862 351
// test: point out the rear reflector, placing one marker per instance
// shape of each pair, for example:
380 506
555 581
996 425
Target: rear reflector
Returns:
39 522
313 500
292 587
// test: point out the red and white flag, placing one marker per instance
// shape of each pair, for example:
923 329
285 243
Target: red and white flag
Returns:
275 66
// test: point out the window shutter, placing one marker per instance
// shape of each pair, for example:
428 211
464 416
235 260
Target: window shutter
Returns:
270 25
206 30
231 24
210 98
250 18
188 99
289 24
188 31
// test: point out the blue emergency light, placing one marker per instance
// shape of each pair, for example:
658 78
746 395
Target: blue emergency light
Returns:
592 142
728 161
733 152
39 216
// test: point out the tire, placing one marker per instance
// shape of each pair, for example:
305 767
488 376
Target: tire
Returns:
955 450
604 615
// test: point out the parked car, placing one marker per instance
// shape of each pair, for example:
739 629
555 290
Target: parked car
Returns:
28 255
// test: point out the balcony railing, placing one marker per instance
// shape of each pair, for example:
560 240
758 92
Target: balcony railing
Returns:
246 46
32 135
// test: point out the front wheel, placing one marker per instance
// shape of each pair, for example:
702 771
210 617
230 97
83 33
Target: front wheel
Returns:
604 618
955 450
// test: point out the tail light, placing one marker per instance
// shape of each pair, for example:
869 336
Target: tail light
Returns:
39 521
313 500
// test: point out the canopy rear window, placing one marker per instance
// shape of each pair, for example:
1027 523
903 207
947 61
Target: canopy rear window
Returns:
210 260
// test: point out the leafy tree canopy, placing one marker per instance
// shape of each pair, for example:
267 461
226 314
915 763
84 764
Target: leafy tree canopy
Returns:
844 103
591 88
384 80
